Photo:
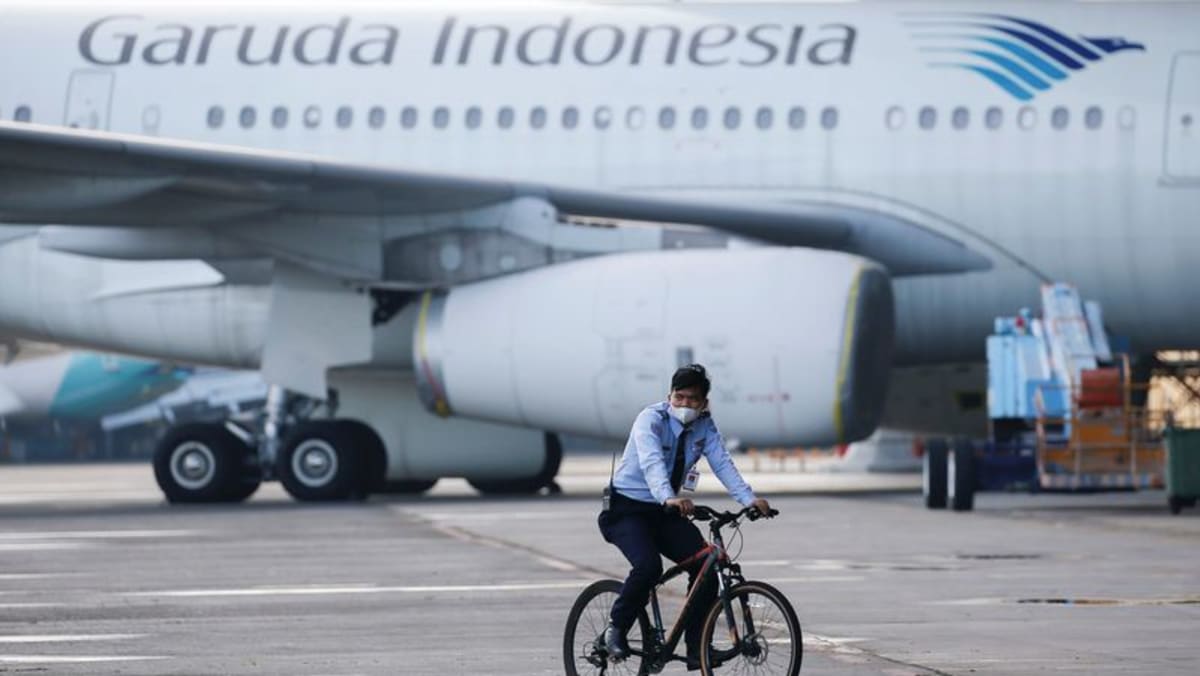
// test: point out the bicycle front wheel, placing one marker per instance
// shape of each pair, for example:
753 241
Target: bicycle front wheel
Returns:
583 639
765 638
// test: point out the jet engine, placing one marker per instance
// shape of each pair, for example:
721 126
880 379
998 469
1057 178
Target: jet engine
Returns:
797 342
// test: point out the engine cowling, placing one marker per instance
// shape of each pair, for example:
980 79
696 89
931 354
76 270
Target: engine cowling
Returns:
797 342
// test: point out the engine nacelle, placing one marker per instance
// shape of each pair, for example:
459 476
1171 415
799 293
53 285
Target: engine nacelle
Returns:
797 342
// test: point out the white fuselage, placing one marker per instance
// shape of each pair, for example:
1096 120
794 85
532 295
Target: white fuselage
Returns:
582 94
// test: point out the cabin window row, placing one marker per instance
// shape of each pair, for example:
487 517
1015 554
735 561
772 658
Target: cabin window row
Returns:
537 117
1027 117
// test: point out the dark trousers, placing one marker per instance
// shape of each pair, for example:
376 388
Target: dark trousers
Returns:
642 536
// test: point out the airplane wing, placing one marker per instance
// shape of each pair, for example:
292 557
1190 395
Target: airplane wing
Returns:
72 177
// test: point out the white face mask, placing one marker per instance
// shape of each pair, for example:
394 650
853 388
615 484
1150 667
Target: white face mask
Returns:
683 414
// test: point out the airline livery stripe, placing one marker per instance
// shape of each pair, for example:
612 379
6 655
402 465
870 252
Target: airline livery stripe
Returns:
317 590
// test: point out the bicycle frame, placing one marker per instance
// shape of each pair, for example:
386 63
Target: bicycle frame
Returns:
715 562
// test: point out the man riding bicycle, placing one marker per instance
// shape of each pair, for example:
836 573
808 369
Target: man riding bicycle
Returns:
665 443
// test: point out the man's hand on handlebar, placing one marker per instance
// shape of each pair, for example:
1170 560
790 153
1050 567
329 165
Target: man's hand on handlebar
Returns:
763 507
684 506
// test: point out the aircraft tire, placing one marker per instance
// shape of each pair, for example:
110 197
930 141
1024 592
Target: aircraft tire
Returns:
204 462
371 453
935 473
543 479
324 461
408 486
961 481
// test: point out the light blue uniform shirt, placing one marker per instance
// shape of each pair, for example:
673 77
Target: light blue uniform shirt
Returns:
644 472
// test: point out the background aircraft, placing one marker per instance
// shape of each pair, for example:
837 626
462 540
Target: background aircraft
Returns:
447 232
52 401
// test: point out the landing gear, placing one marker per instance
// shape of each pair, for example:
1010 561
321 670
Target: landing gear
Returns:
961 476
528 486
934 473
318 456
949 475
314 459
330 460
205 463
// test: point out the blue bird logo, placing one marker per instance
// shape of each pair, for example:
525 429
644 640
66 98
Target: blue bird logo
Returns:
1019 56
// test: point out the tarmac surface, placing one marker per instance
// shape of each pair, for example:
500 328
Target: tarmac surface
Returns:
99 576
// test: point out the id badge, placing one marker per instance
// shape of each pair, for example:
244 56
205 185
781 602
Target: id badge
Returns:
692 478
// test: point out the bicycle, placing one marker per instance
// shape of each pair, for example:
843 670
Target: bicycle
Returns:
763 631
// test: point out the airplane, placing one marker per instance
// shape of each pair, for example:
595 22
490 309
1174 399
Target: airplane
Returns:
447 232
81 386
73 391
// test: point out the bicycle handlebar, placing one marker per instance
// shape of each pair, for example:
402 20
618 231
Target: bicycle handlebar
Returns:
706 513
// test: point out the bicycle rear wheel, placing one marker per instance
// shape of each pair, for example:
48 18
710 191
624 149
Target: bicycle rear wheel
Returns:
769 635
583 639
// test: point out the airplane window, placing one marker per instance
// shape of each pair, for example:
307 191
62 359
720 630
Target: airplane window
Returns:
829 118
699 117
1059 118
927 117
279 117
993 117
23 114
666 117
505 117
603 117
1093 117
216 117
474 117
570 117
312 117
733 117
247 117
960 118
635 117
345 116
796 118
764 118
1027 118
408 117
1127 117
537 117
151 118
376 117
441 117
894 117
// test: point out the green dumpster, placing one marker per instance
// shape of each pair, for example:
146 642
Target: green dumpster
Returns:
1183 468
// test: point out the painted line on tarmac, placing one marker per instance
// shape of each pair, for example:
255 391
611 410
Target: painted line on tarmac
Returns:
317 590
42 546
37 576
95 534
78 499
818 578
76 659
67 638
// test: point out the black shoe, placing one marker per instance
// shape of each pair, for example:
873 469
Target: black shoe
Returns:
693 664
614 643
